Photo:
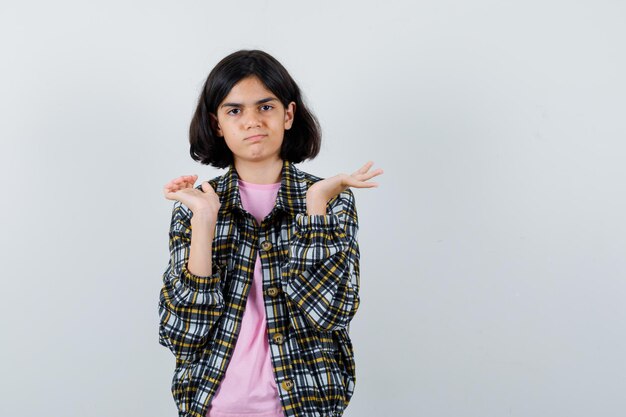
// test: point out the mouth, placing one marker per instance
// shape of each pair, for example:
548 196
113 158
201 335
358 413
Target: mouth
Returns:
255 137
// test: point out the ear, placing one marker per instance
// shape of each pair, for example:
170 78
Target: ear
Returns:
215 125
290 111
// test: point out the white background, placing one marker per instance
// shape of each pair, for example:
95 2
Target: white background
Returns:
492 254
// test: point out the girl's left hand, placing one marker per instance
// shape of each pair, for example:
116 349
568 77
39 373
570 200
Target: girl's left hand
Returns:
322 191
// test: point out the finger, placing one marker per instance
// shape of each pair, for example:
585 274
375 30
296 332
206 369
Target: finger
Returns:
169 193
369 185
367 166
170 186
373 173
171 196
192 179
181 182
369 175
376 173
365 185
177 181
186 181
353 182
171 189
186 178
364 168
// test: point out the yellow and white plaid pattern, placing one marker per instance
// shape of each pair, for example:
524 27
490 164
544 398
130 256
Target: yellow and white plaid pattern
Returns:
311 289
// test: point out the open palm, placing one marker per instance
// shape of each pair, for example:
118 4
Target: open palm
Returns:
328 188
182 189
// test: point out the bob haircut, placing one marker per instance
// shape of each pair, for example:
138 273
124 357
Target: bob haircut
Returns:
302 141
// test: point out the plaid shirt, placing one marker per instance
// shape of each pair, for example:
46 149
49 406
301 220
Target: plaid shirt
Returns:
310 267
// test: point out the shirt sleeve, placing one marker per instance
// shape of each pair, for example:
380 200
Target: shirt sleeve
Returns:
323 265
189 305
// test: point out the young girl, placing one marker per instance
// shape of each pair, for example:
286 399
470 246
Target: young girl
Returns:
263 277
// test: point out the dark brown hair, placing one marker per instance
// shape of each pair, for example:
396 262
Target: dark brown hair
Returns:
300 142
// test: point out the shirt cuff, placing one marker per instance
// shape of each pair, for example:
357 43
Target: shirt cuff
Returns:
200 283
307 223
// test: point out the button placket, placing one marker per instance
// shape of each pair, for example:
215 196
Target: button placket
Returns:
287 384
266 245
278 338
272 291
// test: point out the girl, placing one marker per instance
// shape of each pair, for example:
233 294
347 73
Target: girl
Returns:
263 277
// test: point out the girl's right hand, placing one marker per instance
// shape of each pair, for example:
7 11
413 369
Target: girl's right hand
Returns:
182 189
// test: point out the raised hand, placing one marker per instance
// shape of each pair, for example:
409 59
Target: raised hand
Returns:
322 191
182 189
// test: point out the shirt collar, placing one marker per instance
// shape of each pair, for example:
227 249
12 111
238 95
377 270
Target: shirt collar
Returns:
291 196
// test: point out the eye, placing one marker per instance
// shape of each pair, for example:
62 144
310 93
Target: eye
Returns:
267 105
231 111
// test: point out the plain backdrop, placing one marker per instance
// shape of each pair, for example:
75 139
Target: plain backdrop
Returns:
492 253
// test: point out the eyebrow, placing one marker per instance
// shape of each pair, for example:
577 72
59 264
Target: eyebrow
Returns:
263 100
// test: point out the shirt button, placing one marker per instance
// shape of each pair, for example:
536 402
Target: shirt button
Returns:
277 338
272 291
266 245
287 384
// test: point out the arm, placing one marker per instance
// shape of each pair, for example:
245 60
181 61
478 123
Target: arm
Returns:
189 304
323 265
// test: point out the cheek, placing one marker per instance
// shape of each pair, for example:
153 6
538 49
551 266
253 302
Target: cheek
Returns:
278 123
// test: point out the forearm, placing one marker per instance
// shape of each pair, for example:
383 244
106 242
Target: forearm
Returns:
327 294
322 273
315 205
189 305
200 250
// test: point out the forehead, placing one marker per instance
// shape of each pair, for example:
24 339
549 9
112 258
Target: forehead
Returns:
247 91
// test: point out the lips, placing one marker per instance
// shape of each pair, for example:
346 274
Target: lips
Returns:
255 137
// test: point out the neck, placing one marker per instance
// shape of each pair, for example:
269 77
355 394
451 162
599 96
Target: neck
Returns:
262 172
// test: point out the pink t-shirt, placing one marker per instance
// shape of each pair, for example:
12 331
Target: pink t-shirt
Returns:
248 388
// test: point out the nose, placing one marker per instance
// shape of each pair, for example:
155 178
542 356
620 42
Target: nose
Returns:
252 120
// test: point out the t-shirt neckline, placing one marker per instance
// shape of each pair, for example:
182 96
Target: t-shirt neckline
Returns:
246 184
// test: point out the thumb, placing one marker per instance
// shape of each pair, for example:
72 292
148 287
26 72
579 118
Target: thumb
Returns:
206 186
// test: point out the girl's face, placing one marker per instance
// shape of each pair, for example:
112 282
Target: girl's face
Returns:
253 121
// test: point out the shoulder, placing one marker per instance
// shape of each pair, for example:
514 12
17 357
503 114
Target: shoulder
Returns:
310 178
